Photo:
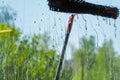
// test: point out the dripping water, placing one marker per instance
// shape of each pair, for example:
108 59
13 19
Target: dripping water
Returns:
49 23
98 21
115 28
106 20
53 28
54 20
53 46
79 28
85 24
61 28
103 32
86 45
97 36
41 21
103 19
109 22
77 17
78 20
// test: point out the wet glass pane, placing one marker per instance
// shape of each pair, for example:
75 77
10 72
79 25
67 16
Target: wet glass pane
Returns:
33 34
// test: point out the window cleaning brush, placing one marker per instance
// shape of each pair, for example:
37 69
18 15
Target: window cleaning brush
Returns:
83 7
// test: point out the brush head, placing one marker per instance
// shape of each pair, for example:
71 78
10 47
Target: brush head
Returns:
82 7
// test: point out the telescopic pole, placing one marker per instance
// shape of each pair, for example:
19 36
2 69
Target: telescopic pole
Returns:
69 27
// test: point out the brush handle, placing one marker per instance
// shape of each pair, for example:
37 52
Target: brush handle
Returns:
69 27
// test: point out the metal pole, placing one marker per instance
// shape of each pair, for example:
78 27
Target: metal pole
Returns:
69 27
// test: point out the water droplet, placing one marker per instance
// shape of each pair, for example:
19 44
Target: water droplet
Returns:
39 28
59 19
103 19
42 13
106 21
34 22
109 22
15 19
61 29
98 21
53 46
52 27
75 20
54 21
55 24
77 17
85 27
41 20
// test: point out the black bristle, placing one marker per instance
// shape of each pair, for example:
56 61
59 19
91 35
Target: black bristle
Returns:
82 7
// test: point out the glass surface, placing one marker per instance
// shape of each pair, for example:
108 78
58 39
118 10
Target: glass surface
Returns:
32 37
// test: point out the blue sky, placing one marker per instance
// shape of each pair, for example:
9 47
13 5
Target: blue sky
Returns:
34 16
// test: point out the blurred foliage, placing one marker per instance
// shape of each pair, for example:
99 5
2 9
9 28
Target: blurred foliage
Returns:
24 58
84 59
31 58
96 63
